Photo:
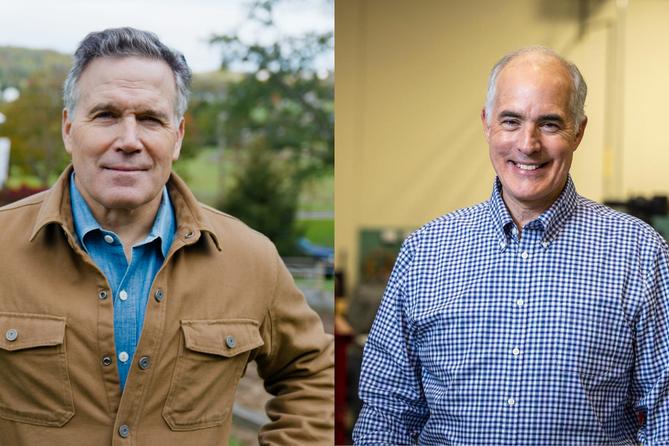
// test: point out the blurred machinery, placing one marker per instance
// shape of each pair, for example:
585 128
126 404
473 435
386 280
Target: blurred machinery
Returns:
653 211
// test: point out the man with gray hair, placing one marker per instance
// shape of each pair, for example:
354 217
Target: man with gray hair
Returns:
538 317
128 310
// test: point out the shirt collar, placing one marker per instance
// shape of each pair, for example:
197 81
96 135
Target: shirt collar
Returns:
191 221
551 221
84 222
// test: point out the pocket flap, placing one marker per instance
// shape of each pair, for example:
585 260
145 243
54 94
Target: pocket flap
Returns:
19 331
224 337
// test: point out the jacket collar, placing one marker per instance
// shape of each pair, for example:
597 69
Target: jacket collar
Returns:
191 223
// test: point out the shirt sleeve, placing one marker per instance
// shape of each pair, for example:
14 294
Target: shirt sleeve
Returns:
651 369
394 407
297 366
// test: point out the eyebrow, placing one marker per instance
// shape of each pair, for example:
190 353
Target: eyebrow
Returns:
103 107
542 118
551 117
114 109
509 114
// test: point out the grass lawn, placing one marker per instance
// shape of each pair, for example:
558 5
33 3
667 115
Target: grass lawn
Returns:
319 232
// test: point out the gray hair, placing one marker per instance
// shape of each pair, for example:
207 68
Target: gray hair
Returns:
124 42
579 88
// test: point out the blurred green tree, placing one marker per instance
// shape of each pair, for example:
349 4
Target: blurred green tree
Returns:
284 101
265 196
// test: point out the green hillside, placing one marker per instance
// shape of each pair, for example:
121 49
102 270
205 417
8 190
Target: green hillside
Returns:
17 64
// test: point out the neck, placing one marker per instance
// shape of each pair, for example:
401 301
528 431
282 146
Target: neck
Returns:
131 225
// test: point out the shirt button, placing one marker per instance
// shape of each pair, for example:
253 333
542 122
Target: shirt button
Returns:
144 362
524 255
502 245
106 361
230 341
544 244
109 239
11 335
123 357
124 431
123 295
511 402
515 351
520 302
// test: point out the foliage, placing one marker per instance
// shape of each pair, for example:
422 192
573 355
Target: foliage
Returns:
205 111
280 98
33 126
19 64
265 198
280 111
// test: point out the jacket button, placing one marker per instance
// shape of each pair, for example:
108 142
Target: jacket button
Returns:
158 295
124 431
106 361
144 362
230 341
102 295
11 335
189 234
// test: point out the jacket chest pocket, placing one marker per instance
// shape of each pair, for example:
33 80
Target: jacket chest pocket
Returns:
209 364
33 370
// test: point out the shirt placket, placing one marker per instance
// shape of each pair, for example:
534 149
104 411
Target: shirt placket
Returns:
524 254
125 318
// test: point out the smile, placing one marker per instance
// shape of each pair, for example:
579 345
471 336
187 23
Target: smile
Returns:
124 168
527 166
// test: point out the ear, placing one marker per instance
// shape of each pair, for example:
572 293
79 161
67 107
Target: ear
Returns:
66 130
484 122
581 131
181 131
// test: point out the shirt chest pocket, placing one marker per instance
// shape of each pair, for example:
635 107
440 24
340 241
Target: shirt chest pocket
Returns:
33 370
210 363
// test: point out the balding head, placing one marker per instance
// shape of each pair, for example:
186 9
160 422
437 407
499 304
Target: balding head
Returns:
541 57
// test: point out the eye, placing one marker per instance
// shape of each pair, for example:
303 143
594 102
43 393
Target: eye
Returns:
550 127
103 115
148 119
510 123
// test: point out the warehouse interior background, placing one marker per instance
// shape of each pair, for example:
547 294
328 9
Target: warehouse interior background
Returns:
410 84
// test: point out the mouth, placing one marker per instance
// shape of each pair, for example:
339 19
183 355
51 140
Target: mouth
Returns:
123 168
528 167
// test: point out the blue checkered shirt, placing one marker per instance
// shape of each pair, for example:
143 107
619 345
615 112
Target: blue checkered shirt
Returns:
558 337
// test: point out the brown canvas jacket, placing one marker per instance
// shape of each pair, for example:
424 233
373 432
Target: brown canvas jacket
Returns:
222 298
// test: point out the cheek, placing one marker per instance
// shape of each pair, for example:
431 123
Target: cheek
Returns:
499 149
86 144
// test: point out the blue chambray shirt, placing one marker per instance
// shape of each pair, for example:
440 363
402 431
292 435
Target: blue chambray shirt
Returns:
130 284
559 337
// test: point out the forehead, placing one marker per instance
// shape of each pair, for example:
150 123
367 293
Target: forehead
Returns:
127 80
534 83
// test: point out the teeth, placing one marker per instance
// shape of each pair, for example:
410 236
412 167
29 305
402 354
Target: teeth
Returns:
527 166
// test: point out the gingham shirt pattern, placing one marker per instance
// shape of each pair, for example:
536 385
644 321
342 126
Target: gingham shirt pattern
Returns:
557 338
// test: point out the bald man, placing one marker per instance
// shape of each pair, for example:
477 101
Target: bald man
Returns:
536 317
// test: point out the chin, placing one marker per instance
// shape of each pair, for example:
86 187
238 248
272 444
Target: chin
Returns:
122 202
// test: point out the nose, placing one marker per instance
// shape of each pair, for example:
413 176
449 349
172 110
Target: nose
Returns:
529 140
128 138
